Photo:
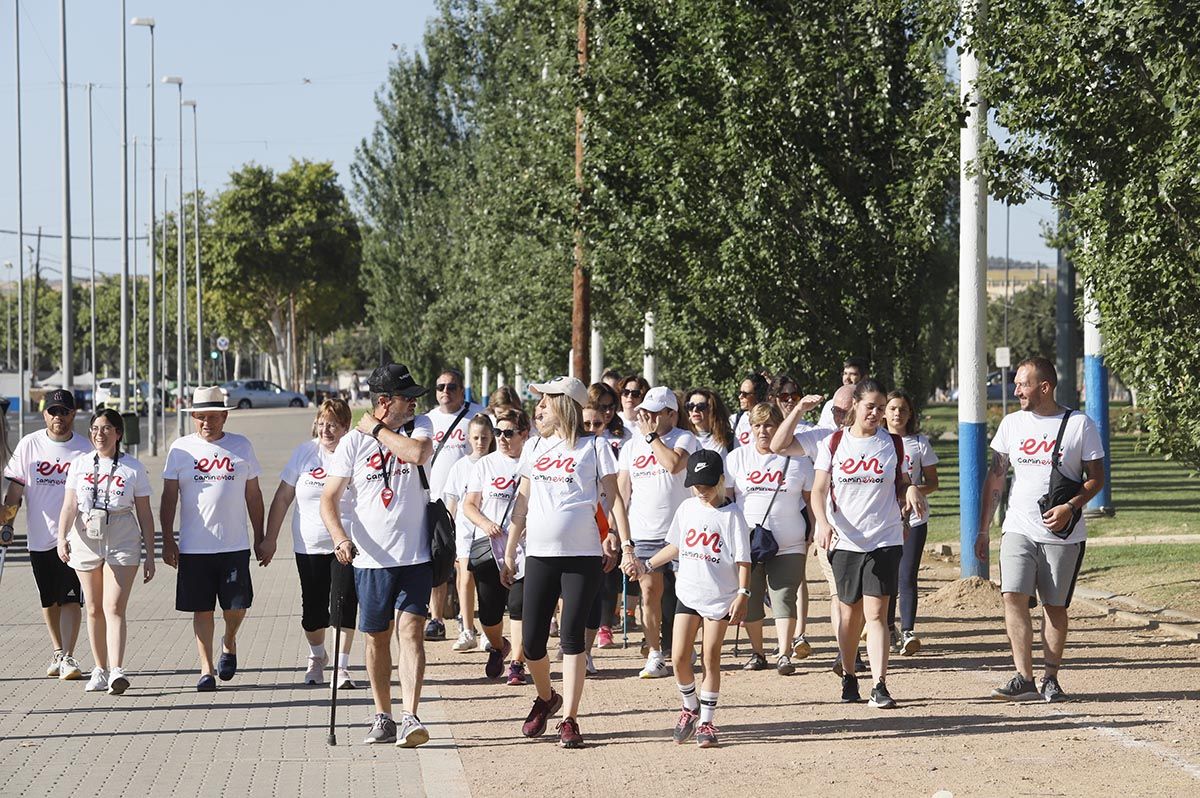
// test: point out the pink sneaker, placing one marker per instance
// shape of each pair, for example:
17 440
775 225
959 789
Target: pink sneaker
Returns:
604 638
516 673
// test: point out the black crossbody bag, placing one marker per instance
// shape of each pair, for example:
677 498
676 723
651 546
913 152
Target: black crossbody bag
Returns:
1062 488
763 545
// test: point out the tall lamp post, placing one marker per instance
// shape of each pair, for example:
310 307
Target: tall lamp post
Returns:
179 301
68 306
152 394
92 238
23 405
196 239
124 404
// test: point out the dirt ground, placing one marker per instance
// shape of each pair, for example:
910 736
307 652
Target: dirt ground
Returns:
1132 726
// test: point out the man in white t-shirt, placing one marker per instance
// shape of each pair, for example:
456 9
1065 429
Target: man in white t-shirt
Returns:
854 370
212 475
449 419
1044 536
387 542
37 472
650 479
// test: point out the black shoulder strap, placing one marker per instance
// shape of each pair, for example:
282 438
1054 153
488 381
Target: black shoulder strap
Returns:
1055 457
408 430
775 495
898 442
466 406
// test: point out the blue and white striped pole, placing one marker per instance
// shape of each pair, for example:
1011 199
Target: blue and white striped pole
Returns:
972 309
1095 378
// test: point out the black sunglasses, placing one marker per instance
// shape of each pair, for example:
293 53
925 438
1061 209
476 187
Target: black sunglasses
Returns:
597 424
59 412
696 407
447 386
605 408
631 392
746 393
505 433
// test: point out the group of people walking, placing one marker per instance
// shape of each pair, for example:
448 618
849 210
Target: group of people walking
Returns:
560 519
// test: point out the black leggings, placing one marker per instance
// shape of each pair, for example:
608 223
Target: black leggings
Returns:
493 596
610 596
322 580
576 580
910 563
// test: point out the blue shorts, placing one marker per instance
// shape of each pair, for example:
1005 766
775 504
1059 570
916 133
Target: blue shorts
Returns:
382 592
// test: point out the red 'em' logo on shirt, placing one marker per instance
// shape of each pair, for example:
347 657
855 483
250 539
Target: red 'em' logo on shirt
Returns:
222 463
377 461
645 461
759 477
1034 446
853 467
317 473
710 540
546 463
503 483
456 435
116 480
46 468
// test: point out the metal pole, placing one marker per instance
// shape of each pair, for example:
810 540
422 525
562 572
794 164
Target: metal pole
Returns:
92 238
124 222
1007 302
972 309
1067 392
24 388
597 358
196 239
649 367
162 337
180 354
133 291
152 365
1095 375
68 307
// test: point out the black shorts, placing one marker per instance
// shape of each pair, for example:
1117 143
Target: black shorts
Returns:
871 573
57 582
323 583
683 609
205 579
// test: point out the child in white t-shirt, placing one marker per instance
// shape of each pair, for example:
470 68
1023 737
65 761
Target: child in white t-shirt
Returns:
712 543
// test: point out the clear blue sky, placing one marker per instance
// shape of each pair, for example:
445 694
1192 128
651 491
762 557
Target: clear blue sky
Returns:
273 81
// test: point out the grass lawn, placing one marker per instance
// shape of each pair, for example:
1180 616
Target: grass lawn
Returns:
1160 574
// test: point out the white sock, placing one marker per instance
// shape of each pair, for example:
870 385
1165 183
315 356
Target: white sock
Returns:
708 706
655 653
316 651
688 691
344 661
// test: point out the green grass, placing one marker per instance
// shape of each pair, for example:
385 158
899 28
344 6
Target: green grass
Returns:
1160 574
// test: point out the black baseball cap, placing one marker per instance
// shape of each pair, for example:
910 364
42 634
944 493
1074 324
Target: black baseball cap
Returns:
394 379
60 398
704 467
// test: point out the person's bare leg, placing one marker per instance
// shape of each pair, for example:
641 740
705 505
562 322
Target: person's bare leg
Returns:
516 636
92 583
1054 638
347 640
754 633
874 610
410 631
379 669
785 629
436 599
539 669
118 583
802 621
203 625
70 617
652 588
52 615
714 636
574 672
1020 632
316 638
682 643
465 582
233 621
850 626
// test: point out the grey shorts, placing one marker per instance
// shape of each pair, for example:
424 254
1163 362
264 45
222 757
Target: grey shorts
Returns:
1049 568
780 577
645 549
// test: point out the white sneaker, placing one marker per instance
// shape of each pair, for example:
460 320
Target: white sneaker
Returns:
589 666
467 641
98 683
118 682
53 669
69 669
656 667
344 682
316 671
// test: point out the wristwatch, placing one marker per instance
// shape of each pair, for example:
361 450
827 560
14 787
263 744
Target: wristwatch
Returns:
627 544
652 437
742 591
378 428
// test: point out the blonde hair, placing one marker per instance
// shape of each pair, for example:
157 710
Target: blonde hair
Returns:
338 409
568 417
765 413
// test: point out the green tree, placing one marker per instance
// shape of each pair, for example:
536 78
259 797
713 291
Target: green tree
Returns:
1030 323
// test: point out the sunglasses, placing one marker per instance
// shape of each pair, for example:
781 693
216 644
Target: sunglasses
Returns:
593 425
59 412
787 397
696 407
633 392
745 393
606 408
447 386
505 433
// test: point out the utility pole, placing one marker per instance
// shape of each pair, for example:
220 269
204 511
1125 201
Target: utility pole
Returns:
581 306
92 238
24 395
1064 317
68 307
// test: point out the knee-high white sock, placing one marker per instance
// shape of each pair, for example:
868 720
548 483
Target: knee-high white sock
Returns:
688 691
708 706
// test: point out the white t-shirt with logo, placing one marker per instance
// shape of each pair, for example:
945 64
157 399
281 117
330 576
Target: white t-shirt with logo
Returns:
810 440
212 491
457 445
563 493
708 441
456 489
917 455
754 477
495 479
742 434
389 504
863 488
826 419
41 465
307 471
1028 440
615 443
711 542
654 494
98 484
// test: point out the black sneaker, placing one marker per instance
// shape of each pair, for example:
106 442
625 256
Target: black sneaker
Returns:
850 689
1051 690
859 665
435 630
1018 689
757 662
880 698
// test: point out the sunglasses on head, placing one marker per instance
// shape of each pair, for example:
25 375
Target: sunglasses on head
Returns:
696 407
447 386
58 412
505 433
634 392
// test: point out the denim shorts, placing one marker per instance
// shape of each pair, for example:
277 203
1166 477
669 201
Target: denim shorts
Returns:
382 592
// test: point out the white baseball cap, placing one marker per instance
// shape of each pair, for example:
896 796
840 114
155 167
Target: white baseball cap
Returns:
658 399
563 385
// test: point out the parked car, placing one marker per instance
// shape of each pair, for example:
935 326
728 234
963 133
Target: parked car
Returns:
111 397
260 393
104 388
995 388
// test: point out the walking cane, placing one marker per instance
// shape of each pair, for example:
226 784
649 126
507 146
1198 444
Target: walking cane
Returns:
624 609
339 584
737 639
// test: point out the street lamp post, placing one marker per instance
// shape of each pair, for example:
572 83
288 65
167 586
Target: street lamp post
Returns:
124 403
92 236
152 365
179 347
68 307
24 388
196 241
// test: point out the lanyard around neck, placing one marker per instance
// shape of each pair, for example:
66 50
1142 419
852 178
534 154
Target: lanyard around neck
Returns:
108 485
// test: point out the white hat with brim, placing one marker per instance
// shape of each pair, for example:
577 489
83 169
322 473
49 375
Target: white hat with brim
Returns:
563 385
207 399
659 399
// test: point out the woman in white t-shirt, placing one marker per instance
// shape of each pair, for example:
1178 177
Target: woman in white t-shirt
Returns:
105 522
705 417
481 442
752 390
709 538
322 577
920 464
487 506
861 497
564 478
773 490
